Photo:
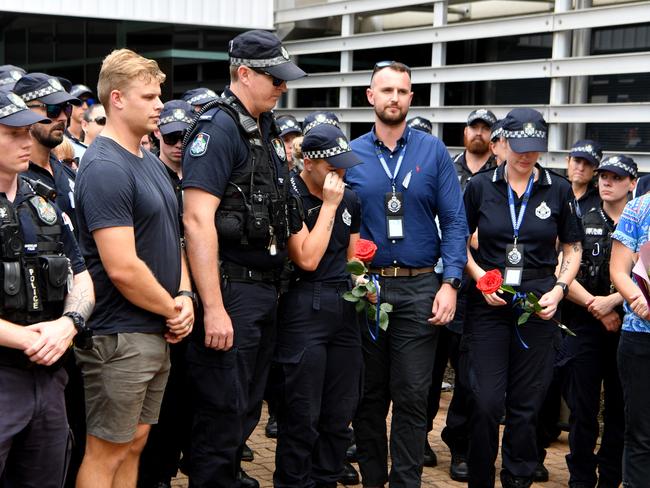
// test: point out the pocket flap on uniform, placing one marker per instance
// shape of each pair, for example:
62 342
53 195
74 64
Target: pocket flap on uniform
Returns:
56 269
12 278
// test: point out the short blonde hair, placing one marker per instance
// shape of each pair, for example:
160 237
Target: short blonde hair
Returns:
65 150
121 67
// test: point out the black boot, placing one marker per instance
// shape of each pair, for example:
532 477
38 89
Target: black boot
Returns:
458 470
247 453
246 481
541 473
349 476
510 481
430 458
271 429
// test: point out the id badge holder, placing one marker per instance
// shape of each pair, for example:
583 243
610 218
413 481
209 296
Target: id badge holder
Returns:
394 208
514 265
513 276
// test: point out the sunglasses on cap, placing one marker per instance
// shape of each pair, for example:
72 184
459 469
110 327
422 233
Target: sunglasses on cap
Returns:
53 111
101 120
172 138
276 81
391 64
71 162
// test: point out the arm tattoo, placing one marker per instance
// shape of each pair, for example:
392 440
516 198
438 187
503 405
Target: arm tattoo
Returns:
565 266
577 247
80 302
331 224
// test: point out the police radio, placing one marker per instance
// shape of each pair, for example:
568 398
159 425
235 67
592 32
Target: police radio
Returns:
258 222
12 241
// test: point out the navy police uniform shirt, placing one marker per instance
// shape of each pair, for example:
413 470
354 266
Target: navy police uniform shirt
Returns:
226 151
590 199
550 214
347 221
463 171
429 185
116 188
62 179
642 186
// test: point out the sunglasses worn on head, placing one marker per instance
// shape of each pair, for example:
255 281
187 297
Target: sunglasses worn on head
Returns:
276 81
89 101
172 138
101 120
53 111
387 64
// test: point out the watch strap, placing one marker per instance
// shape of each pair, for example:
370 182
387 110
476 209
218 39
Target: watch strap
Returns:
187 293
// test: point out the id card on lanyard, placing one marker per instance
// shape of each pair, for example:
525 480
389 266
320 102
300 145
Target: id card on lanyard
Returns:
393 200
515 252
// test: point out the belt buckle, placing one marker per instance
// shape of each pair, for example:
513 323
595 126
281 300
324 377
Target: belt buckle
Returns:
390 275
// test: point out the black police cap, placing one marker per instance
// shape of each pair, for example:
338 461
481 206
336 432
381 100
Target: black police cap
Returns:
329 143
287 124
317 118
526 130
482 114
10 74
79 89
199 96
44 88
420 123
620 165
589 150
176 116
14 111
263 50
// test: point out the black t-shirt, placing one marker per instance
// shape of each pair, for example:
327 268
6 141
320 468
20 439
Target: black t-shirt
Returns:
178 191
117 189
347 221
590 199
226 152
63 181
550 214
463 171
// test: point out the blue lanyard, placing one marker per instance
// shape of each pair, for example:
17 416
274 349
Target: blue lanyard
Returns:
517 220
391 176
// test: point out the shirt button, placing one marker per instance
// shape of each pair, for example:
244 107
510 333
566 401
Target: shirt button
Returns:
394 260
394 243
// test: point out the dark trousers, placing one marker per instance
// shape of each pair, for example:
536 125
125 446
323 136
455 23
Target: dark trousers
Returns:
228 386
592 363
398 367
76 411
319 350
443 351
633 363
34 433
501 370
170 437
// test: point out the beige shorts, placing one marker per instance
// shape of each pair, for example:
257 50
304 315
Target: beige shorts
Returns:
124 381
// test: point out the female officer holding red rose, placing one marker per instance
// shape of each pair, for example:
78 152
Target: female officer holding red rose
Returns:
520 210
319 340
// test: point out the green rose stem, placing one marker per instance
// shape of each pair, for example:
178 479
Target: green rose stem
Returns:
530 305
358 295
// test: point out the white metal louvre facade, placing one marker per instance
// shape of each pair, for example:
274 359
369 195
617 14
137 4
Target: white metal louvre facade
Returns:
564 20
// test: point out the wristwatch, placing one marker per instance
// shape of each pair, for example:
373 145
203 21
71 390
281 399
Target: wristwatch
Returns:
454 282
84 337
188 293
564 286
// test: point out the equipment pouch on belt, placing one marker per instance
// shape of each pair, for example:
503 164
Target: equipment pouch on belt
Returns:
258 222
230 225
12 284
53 276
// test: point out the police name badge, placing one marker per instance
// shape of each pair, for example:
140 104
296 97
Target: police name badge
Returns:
346 217
278 147
44 209
543 211
200 144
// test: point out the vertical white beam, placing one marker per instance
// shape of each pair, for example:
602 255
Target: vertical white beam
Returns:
438 58
559 86
345 93
579 84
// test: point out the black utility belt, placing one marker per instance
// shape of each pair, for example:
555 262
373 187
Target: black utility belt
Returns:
235 272
310 285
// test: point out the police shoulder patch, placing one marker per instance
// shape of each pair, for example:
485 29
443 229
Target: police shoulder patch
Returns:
44 209
199 145
278 146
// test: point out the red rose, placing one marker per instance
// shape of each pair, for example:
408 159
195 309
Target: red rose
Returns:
365 250
490 282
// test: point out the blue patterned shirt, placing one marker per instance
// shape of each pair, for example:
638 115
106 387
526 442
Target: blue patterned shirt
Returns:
632 232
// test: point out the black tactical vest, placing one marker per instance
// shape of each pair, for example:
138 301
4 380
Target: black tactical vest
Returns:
597 247
253 210
35 272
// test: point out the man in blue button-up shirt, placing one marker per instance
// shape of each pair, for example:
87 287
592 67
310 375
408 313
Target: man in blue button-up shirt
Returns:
406 181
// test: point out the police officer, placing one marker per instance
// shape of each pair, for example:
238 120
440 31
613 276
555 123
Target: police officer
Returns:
9 75
476 139
582 163
317 118
46 96
420 123
198 97
235 165
319 344
170 437
289 129
497 355
75 130
591 354
47 296
498 144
